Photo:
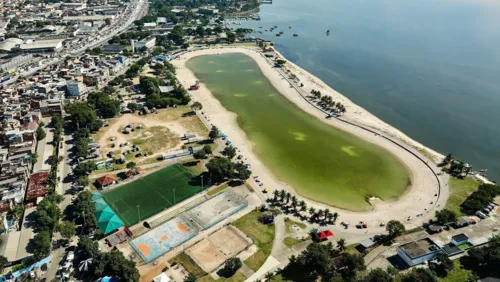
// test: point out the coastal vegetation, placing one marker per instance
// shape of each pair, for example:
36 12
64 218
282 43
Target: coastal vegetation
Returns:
326 102
319 161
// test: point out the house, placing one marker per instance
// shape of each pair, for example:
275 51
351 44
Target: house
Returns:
418 252
459 239
367 245
434 228
106 180
166 89
37 186
463 221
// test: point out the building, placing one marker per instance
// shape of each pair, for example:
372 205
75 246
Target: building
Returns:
463 221
459 239
208 11
75 89
166 89
106 180
42 45
148 42
37 186
112 49
418 252
50 107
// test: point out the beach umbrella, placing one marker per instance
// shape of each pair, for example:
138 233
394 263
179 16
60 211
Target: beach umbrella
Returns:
85 265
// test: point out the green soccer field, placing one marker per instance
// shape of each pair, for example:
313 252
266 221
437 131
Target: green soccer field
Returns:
152 194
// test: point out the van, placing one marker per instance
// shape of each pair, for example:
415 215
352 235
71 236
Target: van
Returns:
481 215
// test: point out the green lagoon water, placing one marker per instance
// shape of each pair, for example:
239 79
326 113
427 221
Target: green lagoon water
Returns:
317 160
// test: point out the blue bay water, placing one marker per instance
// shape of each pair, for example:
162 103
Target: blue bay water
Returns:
430 68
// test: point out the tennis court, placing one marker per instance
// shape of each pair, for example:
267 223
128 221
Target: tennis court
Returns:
149 195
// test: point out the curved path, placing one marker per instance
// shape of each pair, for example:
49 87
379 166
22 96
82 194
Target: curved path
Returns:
424 196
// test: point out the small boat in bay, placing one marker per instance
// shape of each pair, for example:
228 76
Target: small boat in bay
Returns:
328 32
295 35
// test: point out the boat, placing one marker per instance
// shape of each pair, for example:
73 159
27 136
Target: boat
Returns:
275 26
328 32
290 27
281 32
295 35
277 34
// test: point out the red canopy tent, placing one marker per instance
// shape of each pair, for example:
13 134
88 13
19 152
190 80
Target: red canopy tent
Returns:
323 235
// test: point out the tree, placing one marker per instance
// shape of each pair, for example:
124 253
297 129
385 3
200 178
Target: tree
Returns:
200 31
115 264
34 158
83 181
312 212
131 165
214 133
335 216
83 169
303 206
418 275
41 245
88 248
341 244
196 106
353 263
276 194
219 169
81 147
199 155
313 262
231 266
446 216
229 152
295 202
132 107
242 172
190 278
207 149
40 133
378 275
3 261
269 276
231 37
66 229
395 228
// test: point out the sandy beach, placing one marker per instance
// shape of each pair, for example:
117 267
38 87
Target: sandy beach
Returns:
419 202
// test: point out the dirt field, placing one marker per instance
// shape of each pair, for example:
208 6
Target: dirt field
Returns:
213 251
159 133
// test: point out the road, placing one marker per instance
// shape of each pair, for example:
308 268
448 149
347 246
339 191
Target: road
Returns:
134 11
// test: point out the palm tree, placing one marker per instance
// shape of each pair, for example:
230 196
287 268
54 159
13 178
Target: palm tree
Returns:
312 212
287 197
282 195
320 213
269 276
303 206
326 212
276 193
341 244
335 216
294 203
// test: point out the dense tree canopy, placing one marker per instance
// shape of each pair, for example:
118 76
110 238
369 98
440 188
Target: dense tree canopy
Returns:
116 265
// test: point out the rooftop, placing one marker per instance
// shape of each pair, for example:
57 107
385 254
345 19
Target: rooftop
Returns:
460 237
418 248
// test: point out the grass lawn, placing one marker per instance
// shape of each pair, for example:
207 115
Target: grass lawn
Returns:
290 241
459 190
458 274
239 276
262 235
290 223
323 163
188 264
155 138
352 248
152 193
218 189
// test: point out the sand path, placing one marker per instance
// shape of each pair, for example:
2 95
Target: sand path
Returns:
420 197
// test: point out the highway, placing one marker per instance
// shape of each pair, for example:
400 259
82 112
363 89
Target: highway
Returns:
133 12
